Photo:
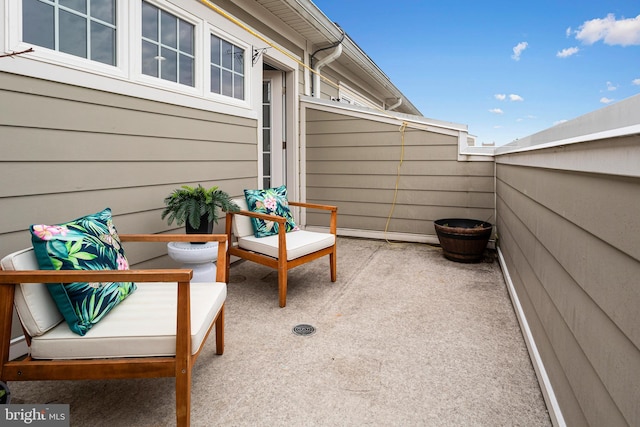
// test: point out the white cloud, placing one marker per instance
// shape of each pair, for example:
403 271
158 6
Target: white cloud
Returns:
500 96
518 49
564 53
611 87
635 81
496 111
515 97
606 100
568 32
497 127
622 32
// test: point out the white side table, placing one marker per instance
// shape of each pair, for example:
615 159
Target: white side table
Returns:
199 258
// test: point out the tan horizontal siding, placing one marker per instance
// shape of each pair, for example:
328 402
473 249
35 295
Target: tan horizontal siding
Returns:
69 151
417 182
571 239
352 162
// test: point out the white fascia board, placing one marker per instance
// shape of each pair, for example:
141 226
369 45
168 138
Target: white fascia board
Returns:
618 157
607 134
391 117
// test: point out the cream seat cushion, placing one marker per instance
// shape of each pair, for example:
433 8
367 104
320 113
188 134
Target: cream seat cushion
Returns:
36 308
144 324
299 243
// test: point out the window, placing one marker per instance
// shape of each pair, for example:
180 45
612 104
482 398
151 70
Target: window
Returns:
167 46
84 28
227 68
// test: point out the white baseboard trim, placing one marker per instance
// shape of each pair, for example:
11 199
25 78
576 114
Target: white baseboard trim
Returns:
430 239
18 348
543 379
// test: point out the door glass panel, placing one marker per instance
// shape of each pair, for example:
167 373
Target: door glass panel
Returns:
266 133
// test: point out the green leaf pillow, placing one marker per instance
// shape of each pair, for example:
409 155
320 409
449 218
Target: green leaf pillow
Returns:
270 201
87 243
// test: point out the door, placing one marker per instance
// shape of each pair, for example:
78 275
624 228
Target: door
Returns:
274 145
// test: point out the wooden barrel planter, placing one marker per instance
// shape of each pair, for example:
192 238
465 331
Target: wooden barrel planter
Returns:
463 240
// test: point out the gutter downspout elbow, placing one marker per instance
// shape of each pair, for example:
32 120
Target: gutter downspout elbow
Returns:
324 61
396 105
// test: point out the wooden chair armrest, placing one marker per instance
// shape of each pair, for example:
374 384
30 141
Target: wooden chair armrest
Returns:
70 276
172 237
333 222
314 206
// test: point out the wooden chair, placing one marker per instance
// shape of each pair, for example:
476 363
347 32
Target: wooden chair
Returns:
137 339
283 251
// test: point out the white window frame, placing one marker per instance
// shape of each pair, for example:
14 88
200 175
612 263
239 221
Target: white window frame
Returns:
14 43
135 47
247 68
126 77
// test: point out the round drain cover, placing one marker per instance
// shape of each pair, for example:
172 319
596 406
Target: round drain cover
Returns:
304 330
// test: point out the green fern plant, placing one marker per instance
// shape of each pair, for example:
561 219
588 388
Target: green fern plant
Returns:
193 203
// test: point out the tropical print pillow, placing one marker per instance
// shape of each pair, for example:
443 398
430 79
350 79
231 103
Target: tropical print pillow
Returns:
270 201
87 243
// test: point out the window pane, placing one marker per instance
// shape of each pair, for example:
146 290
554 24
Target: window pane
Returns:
238 87
149 21
168 29
215 50
227 83
73 34
266 92
103 43
227 54
266 182
186 37
149 61
78 5
238 60
105 10
215 79
169 65
37 24
186 70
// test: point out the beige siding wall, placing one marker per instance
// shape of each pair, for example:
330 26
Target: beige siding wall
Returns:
352 162
570 238
69 151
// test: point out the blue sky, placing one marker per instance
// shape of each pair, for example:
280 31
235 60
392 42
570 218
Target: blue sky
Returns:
507 69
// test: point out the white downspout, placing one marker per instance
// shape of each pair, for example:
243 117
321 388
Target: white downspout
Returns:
324 61
396 105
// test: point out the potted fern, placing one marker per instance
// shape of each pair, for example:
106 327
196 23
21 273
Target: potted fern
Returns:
197 207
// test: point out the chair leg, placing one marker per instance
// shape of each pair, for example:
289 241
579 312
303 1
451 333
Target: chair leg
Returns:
282 286
220 332
332 264
228 264
183 398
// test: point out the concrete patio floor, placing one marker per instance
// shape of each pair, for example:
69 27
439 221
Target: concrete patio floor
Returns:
403 338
